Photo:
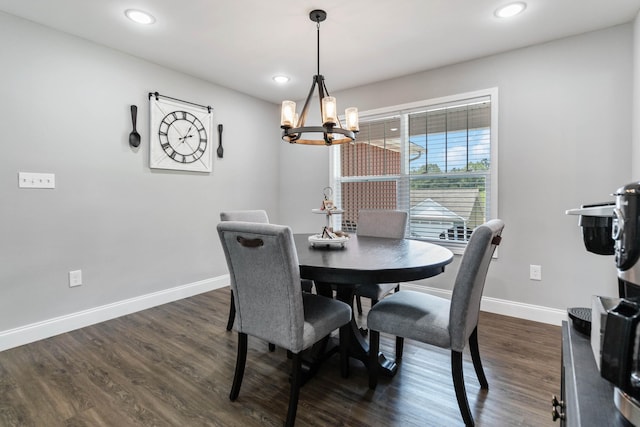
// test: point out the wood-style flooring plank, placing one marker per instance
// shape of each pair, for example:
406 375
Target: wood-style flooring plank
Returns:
173 365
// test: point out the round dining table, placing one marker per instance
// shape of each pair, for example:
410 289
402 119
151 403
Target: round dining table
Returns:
367 260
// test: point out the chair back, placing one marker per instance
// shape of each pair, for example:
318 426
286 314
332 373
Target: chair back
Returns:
246 215
265 281
382 223
469 284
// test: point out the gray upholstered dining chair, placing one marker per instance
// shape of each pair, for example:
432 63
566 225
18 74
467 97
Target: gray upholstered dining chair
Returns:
438 321
247 216
379 223
265 280
260 216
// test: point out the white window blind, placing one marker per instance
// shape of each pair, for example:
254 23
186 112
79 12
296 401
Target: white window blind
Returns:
437 161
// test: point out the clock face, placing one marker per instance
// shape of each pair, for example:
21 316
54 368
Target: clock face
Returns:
180 136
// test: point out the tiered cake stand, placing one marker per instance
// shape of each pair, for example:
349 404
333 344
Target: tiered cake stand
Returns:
317 240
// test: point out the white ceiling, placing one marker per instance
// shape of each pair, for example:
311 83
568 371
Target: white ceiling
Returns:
242 44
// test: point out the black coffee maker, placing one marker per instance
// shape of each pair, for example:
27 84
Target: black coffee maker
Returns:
626 234
620 362
620 348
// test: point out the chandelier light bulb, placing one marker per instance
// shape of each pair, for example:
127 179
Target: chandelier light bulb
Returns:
287 117
329 110
351 117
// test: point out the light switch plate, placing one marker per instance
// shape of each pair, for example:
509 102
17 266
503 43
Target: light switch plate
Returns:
36 180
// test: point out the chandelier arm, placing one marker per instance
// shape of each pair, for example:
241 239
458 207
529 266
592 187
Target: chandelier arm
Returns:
318 78
321 91
303 114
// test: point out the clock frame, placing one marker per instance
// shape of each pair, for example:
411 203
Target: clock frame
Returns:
180 136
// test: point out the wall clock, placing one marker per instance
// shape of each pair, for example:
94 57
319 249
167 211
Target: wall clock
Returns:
180 135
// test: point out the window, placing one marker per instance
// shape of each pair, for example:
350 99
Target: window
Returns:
435 159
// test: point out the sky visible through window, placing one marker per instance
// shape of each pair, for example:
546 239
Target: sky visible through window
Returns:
447 152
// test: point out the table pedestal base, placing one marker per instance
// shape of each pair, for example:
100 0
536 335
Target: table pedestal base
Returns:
358 345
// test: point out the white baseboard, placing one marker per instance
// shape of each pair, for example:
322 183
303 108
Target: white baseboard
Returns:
40 330
520 310
48 328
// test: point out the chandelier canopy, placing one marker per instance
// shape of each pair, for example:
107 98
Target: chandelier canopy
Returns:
331 132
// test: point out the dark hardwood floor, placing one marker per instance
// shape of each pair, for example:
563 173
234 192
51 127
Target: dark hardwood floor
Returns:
172 365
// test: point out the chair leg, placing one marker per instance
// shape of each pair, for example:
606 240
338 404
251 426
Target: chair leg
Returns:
296 381
399 348
475 356
232 313
458 384
241 360
374 348
307 285
272 347
344 350
359 304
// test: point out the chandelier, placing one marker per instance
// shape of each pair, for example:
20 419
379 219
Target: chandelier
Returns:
331 132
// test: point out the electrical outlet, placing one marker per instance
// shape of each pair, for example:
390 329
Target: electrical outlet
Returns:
75 278
535 272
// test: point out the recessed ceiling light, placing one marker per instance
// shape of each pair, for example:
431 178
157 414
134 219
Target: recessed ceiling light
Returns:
139 16
511 9
281 79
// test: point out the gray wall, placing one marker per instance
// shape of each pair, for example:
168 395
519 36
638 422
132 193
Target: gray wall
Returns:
564 140
64 109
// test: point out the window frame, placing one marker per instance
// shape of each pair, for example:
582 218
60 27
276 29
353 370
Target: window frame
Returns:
404 177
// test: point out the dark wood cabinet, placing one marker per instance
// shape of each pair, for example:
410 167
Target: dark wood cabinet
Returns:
586 399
